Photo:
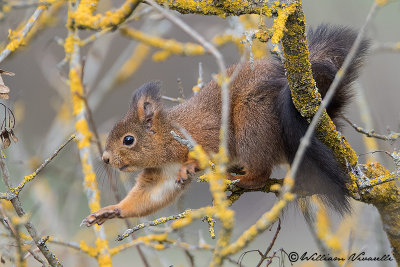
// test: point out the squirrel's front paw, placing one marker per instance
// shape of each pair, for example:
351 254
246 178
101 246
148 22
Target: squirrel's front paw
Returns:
101 216
186 171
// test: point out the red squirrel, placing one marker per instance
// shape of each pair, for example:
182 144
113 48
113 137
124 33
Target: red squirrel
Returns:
265 130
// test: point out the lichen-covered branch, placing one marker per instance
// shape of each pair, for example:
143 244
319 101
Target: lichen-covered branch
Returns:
386 196
50 257
159 221
17 38
83 16
171 46
83 135
220 8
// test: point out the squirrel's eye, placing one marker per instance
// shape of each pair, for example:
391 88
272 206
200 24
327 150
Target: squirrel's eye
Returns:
128 140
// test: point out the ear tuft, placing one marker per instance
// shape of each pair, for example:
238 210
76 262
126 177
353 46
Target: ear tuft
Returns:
150 90
146 101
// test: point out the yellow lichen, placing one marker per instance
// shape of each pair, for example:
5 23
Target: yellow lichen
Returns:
323 228
83 16
16 40
279 27
90 183
76 91
91 251
172 46
199 154
69 43
85 135
275 187
6 8
381 2
133 63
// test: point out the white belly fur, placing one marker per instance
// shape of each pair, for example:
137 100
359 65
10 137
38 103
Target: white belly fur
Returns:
167 185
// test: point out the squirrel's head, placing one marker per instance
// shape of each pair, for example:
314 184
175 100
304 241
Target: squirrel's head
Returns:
140 139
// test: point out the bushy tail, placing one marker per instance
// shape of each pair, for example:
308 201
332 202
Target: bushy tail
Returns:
319 171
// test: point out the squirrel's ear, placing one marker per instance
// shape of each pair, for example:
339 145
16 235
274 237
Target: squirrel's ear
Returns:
146 101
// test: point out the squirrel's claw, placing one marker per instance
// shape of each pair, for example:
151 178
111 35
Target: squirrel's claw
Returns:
100 216
181 180
187 170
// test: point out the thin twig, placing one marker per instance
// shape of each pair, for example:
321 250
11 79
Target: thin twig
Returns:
386 47
265 255
152 223
21 185
190 145
50 257
371 133
7 51
172 99
20 253
14 232
35 256
28 4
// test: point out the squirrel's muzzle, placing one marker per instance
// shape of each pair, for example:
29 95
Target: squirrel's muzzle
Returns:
106 157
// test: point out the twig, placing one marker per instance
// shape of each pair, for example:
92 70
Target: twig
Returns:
190 145
200 83
180 89
181 234
172 99
265 255
68 244
371 133
16 43
30 177
20 253
50 257
153 223
211 223
14 232
35 256
28 4
386 47
234 262
247 252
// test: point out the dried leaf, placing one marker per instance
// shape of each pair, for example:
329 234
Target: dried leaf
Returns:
4 90
13 137
6 142
7 136
6 72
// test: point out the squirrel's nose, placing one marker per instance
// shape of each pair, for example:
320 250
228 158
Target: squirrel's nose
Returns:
106 157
